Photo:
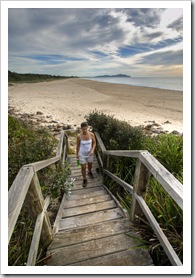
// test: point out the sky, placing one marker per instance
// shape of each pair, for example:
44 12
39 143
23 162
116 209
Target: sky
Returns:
92 42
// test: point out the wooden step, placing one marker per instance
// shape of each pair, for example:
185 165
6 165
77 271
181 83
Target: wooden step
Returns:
87 193
89 185
83 234
91 218
92 249
86 201
88 208
121 258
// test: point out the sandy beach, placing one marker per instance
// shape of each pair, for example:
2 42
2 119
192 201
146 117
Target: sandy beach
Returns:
69 100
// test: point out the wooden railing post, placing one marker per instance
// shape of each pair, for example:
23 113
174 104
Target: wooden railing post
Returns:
35 203
105 164
65 151
140 182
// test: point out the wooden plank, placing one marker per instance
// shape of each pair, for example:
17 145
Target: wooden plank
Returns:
46 235
95 231
85 201
140 182
37 204
90 184
17 195
124 153
64 156
100 160
166 179
87 219
119 181
138 257
100 142
91 249
60 144
87 193
59 215
35 241
88 208
37 234
44 163
34 197
125 212
159 233
79 180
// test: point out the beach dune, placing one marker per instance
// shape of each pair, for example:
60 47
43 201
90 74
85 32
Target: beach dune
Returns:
69 100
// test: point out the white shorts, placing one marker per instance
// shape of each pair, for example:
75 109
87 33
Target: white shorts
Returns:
85 159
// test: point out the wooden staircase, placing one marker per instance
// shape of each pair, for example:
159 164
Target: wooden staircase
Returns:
92 229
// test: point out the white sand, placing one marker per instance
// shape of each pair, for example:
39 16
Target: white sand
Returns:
68 101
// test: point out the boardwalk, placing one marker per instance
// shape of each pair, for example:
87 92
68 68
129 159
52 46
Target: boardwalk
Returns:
92 229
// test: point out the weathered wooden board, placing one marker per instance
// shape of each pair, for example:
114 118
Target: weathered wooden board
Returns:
87 193
123 258
87 219
79 184
166 179
95 231
91 249
17 195
88 208
85 201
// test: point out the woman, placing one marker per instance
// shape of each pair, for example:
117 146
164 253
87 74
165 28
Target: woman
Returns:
86 144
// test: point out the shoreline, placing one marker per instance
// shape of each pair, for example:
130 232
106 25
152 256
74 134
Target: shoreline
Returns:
148 87
68 101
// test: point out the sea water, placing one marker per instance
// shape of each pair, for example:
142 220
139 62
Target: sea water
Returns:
168 83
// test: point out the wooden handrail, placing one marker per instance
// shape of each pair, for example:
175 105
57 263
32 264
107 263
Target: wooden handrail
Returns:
166 179
26 187
146 164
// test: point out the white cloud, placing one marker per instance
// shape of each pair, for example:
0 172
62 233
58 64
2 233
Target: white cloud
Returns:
95 36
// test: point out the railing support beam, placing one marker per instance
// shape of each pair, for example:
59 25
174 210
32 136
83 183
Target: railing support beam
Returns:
140 183
36 203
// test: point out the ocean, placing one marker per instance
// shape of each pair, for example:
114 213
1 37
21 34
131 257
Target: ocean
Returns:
169 83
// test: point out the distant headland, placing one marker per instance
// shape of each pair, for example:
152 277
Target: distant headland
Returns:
116 75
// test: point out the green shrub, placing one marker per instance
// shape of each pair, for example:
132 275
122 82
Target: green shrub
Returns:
26 145
168 149
116 134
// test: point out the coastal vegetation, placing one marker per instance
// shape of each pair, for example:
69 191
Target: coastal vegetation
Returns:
168 149
27 144
30 77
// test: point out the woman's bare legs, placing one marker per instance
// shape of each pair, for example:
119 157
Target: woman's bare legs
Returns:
83 171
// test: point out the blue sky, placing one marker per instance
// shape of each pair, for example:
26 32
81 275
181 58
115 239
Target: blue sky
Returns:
89 42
